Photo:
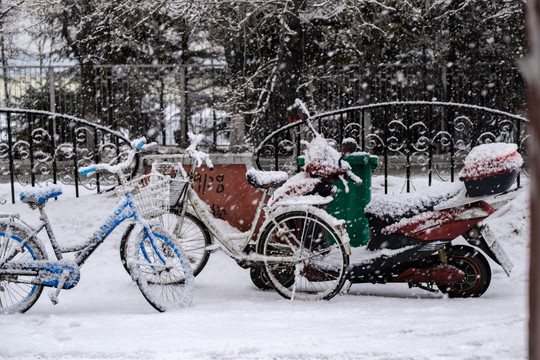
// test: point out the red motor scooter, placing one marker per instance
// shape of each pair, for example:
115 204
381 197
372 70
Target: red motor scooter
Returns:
412 236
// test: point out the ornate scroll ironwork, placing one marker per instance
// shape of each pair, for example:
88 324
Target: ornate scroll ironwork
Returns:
46 147
411 138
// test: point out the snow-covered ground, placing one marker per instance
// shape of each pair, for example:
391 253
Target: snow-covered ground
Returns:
105 316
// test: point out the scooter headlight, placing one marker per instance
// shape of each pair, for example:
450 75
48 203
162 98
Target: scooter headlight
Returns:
473 213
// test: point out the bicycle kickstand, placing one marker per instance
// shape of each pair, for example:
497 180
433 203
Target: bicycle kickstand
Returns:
53 294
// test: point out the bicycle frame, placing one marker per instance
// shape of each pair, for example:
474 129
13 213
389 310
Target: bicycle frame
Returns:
199 206
124 210
189 196
156 262
239 253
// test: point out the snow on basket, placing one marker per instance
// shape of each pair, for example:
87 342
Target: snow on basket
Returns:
490 169
178 179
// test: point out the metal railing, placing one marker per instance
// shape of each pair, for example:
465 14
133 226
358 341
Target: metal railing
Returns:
412 138
165 101
40 147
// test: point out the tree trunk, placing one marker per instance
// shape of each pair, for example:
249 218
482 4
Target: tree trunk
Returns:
88 90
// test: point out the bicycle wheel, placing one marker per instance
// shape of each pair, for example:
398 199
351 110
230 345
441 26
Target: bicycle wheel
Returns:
258 277
192 235
306 257
161 269
18 292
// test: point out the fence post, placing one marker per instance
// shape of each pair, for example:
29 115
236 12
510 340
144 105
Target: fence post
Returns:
385 149
214 128
75 167
183 102
408 148
451 121
429 120
518 142
52 98
10 159
52 123
96 157
31 148
363 131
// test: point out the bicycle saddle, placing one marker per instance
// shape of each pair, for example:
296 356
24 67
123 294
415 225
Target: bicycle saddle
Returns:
39 196
266 179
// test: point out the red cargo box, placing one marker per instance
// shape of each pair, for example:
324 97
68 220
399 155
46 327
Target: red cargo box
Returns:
490 169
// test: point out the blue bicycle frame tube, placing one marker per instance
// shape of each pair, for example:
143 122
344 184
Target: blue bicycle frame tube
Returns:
125 209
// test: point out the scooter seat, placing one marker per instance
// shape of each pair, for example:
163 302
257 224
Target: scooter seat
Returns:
387 209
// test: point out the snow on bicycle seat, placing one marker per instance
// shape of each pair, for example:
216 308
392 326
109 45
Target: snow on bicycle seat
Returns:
40 195
266 179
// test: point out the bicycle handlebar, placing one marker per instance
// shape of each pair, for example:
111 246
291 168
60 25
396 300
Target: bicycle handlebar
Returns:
196 155
137 145
356 180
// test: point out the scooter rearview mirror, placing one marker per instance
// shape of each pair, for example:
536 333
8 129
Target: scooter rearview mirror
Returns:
348 146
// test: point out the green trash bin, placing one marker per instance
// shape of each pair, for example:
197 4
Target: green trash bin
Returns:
350 206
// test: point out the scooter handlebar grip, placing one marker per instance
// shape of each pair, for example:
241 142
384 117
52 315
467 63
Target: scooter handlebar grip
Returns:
354 178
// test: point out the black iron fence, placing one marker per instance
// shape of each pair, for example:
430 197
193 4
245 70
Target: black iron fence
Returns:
40 147
425 139
165 101
421 139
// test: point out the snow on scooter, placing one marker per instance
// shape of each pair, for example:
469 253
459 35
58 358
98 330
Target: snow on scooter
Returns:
412 236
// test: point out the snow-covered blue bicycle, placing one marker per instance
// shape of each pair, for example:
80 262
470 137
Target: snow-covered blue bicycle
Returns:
155 258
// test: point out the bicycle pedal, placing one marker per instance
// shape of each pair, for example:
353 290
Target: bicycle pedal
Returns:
53 296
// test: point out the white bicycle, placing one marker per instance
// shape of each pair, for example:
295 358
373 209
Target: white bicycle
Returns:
301 251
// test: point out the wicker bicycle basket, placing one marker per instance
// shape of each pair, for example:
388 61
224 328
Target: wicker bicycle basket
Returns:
151 194
178 179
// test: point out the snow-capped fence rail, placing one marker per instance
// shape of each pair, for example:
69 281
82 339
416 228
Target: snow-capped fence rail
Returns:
39 147
411 138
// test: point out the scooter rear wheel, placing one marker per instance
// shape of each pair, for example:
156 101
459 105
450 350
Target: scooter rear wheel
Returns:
477 273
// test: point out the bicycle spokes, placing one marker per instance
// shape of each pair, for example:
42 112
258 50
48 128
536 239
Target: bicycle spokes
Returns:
308 259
